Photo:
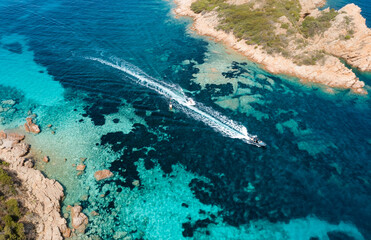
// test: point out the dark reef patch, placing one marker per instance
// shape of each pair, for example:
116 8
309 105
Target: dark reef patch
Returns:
132 147
14 47
219 90
189 228
336 235
115 139
237 70
98 109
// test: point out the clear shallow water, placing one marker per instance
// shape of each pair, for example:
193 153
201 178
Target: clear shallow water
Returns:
312 181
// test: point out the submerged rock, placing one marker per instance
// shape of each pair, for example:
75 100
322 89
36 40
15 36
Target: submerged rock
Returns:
8 102
81 167
103 174
94 213
136 183
79 220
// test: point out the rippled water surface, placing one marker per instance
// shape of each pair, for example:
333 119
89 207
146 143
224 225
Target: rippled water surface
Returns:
103 74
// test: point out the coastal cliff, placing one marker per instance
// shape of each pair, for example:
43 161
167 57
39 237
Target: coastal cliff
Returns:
43 194
306 43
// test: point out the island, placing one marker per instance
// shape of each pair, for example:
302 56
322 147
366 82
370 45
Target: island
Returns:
291 37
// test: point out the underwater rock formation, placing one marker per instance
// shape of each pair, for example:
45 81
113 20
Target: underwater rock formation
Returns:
102 174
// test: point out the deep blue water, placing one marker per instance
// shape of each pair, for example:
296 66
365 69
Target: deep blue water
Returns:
319 145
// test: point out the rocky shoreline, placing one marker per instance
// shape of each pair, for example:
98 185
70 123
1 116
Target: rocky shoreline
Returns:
44 195
331 71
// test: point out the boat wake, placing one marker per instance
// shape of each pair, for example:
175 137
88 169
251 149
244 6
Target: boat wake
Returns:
193 109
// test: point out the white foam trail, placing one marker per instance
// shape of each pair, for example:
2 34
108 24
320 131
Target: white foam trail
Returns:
198 111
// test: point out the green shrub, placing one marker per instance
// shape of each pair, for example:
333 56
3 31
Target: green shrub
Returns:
5 179
10 212
13 231
311 59
205 5
12 207
285 25
8 220
313 26
3 163
347 37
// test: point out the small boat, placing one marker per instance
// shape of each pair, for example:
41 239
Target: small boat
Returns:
257 142
260 143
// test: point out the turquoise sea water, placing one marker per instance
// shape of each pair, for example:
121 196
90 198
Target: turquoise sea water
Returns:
181 174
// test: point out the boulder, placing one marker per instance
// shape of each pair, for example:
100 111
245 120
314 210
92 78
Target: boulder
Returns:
66 232
79 220
30 126
103 174
46 159
7 144
28 163
15 137
20 149
94 213
2 135
136 183
80 167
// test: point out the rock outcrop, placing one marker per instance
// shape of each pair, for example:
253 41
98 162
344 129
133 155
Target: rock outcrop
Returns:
80 167
356 50
79 220
30 126
102 174
44 194
331 71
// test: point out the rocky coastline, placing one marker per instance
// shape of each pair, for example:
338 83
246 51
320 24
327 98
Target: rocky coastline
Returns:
331 72
44 195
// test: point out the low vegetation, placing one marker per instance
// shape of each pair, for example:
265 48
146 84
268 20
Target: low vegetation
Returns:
258 22
310 58
10 212
256 26
314 26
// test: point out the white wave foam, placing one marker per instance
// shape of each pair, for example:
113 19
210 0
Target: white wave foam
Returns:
197 111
